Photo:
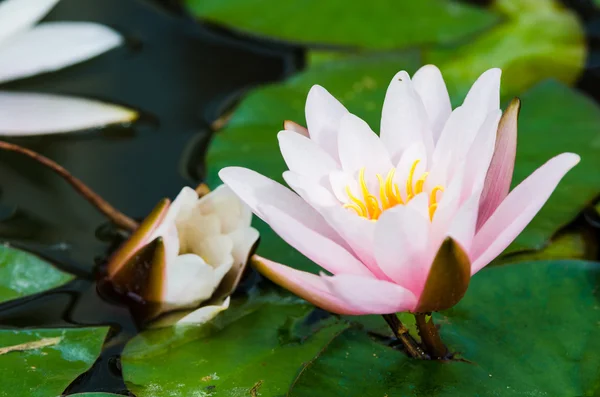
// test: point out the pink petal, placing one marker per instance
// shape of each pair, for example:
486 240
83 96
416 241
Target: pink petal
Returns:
462 227
319 249
255 189
25 114
401 240
404 118
20 15
500 172
323 115
360 147
54 45
518 209
297 128
371 296
306 285
429 84
303 156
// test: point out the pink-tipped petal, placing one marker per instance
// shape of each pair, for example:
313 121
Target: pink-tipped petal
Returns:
20 15
518 209
304 157
371 296
319 249
52 46
323 115
403 118
479 156
429 84
359 146
500 172
306 285
297 128
401 240
255 189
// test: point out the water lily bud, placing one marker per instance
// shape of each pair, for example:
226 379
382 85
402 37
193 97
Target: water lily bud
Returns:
401 219
187 255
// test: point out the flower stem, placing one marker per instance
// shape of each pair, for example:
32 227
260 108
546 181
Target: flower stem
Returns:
401 332
120 219
430 336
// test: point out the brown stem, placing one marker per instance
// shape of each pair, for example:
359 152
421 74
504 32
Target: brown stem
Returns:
430 336
108 210
402 334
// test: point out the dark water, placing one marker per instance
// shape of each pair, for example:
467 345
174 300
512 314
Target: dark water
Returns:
182 76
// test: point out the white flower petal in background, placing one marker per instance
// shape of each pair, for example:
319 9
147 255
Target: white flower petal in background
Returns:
193 317
20 15
52 46
25 114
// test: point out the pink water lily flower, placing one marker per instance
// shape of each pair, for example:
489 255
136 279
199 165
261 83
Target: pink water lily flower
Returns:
404 219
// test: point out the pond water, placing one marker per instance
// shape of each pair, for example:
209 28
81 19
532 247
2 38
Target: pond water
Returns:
183 76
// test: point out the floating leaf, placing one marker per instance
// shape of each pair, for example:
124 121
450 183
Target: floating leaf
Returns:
524 329
251 347
381 24
42 363
538 39
23 274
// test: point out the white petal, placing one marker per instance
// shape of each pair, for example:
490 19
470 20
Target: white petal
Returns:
429 84
199 316
479 156
243 240
401 240
231 211
190 281
323 115
52 46
215 250
360 147
404 119
484 95
24 114
20 15
303 156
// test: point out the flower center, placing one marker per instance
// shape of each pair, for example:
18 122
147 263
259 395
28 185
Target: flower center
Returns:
371 206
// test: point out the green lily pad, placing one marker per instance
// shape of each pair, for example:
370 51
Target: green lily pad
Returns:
23 274
538 39
525 330
95 395
251 349
42 363
384 24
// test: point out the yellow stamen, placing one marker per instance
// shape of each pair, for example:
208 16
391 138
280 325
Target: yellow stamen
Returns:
382 196
432 208
420 183
362 210
371 207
